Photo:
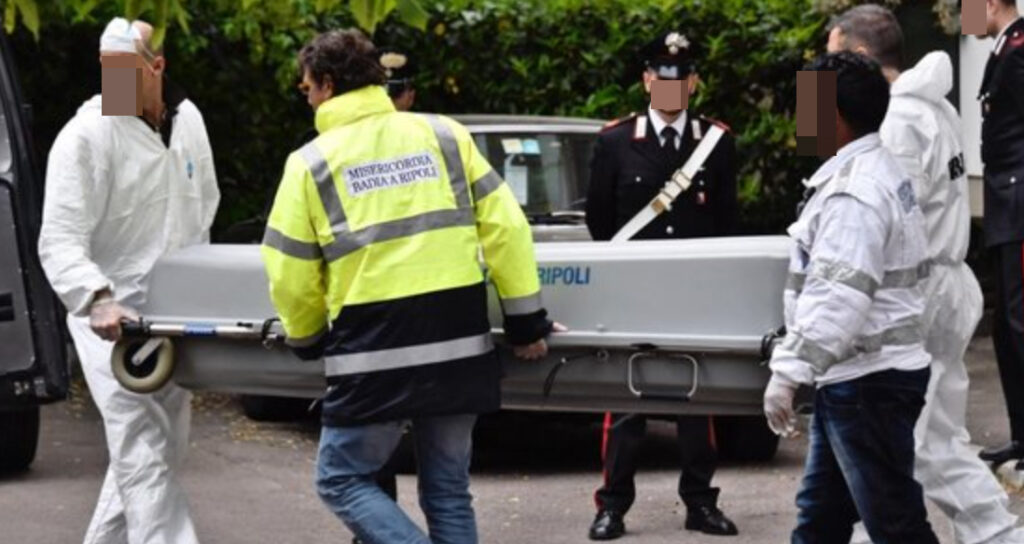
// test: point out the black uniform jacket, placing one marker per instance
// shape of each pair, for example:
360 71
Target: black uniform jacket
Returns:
629 167
1002 139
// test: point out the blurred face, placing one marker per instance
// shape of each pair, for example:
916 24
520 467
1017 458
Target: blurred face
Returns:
405 101
316 93
669 96
130 81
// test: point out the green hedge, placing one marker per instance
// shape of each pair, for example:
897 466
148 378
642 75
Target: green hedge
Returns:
565 57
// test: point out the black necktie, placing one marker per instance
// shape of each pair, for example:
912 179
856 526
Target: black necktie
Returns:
668 143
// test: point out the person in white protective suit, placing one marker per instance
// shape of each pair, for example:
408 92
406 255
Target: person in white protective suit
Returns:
853 305
121 191
923 131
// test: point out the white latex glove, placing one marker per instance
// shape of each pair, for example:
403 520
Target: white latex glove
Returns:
778 406
105 316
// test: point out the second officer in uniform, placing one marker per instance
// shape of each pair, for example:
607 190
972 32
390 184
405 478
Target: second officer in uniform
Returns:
633 159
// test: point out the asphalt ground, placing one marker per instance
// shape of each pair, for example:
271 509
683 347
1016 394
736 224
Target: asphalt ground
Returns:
533 478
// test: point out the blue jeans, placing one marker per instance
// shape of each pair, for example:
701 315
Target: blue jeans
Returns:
349 458
861 462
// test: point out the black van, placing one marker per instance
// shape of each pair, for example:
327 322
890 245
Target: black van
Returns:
34 366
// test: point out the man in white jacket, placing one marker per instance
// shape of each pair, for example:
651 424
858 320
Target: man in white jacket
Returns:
121 191
923 132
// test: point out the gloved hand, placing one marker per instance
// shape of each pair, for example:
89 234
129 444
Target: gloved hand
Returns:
105 316
778 406
538 349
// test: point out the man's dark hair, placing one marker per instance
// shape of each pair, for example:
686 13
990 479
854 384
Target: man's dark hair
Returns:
347 56
1009 3
876 28
862 92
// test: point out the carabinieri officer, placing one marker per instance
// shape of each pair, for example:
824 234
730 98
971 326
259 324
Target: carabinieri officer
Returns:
633 159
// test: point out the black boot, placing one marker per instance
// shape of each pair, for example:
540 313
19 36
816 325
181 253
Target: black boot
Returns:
709 520
997 456
608 525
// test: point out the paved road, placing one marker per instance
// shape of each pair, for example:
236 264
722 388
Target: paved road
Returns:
251 483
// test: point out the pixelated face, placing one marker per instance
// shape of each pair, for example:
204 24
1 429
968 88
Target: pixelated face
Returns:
122 83
972 18
817 117
670 95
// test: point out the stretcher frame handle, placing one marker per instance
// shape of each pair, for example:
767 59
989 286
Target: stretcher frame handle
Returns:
670 397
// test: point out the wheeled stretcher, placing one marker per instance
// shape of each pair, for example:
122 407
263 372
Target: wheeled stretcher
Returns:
679 326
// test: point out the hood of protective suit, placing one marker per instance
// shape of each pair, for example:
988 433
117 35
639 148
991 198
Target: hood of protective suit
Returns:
931 79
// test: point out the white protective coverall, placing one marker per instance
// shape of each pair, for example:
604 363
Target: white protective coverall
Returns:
923 131
118 198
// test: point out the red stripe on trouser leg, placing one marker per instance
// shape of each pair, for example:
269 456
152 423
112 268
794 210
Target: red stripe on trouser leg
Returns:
605 429
712 436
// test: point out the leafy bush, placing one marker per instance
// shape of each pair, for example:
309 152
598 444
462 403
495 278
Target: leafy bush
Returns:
555 57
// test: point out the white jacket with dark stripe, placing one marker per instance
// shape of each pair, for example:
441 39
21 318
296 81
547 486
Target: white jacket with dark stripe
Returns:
854 300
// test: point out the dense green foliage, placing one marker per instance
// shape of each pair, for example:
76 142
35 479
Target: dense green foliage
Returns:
557 57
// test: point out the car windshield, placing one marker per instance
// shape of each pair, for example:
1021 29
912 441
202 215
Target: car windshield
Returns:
547 171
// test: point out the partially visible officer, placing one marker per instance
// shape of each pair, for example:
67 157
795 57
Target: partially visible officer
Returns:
372 254
853 311
1002 151
633 159
399 70
922 130
122 190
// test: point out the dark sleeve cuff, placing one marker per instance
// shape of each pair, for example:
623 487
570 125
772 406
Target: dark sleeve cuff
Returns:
525 329
312 352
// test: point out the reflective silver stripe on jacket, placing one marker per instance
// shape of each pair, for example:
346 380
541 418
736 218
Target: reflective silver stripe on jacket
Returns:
290 246
893 279
325 186
522 305
423 354
452 159
347 241
901 334
809 351
486 185
307 341
844 274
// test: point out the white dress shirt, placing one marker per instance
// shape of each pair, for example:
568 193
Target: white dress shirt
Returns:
659 125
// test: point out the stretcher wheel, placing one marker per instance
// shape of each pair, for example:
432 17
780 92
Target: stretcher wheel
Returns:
151 374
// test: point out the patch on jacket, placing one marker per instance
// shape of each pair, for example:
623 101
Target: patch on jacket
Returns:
375 175
956 167
906 194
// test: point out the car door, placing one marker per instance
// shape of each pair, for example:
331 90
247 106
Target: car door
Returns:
33 363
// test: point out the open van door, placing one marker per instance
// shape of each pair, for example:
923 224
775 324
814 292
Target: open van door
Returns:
33 362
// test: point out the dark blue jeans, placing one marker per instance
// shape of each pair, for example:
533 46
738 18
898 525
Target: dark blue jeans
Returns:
860 466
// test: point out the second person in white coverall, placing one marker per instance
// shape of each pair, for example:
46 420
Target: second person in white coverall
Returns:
923 131
121 191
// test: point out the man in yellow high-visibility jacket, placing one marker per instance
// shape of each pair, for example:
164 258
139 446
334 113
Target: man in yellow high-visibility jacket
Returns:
372 250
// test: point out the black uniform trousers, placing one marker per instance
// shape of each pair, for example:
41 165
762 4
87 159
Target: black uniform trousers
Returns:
620 452
1008 329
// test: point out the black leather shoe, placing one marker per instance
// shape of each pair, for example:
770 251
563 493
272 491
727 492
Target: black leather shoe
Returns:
608 525
710 520
997 456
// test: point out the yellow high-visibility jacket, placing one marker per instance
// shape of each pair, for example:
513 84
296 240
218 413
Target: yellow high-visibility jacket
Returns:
372 250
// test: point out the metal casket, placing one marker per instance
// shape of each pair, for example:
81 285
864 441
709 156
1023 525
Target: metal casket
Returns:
655 326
